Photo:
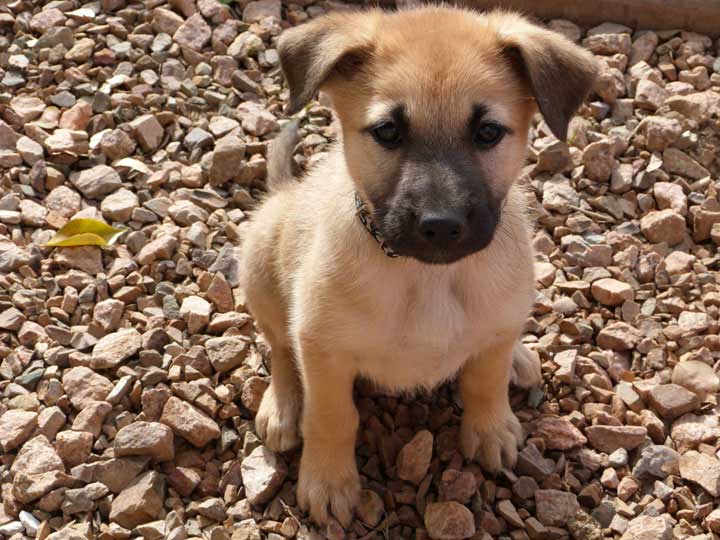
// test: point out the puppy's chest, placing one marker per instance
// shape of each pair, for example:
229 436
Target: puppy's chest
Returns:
424 331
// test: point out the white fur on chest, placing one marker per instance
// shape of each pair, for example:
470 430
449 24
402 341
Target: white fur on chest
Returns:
430 320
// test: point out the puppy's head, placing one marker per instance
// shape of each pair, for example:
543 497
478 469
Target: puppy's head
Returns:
435 105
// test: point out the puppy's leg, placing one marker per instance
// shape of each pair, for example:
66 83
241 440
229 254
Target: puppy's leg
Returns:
277 419
328 479
526 372
489 431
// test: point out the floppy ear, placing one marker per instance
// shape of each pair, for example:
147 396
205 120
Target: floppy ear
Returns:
560 74
337 44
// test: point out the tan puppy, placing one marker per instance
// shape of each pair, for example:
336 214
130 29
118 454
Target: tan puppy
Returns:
435 105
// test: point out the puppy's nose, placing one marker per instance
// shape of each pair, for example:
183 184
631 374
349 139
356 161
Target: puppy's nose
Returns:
441 229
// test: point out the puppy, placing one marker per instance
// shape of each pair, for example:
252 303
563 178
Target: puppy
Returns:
405 256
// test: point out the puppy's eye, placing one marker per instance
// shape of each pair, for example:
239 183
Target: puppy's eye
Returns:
387 134
488 134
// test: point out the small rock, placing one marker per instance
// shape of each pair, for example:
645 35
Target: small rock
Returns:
108 314
660 132
29 150
186 213
37 456
189 423
643 47
610 438
507 511
246 529
145 439
220 294
676 161
29 522
213 509
370 508
584 526
11 319
670 196
92 416
11 528
197 138
567 28
83 499
554 508
252 393
166 21
702 470
194 33
228 152
611 292
113 349
645 527
649 95
458 486
449 521
696 376
140 502
618 458
87 259
97 182
694 322
559 434
16 426
656 461
258 10
28 488
117 144
713 521
599 160
414 458
74 447
672 400
148 132
663 226
64 201
161 248
84 386
256 120
559 195
27 107
196 312
120 205
77 117
226 353
618 336
263 474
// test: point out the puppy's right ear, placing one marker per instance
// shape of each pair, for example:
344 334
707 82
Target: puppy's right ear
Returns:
559 73
337 44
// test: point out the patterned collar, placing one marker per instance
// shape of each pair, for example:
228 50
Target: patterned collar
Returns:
366 219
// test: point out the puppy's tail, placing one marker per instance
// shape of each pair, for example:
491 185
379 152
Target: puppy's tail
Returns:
280 157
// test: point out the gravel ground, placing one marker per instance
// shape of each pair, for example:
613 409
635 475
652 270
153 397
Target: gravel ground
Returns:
129 375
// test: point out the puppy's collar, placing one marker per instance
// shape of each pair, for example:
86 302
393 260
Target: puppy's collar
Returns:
366 219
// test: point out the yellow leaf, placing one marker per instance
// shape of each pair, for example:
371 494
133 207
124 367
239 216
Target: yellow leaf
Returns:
85 232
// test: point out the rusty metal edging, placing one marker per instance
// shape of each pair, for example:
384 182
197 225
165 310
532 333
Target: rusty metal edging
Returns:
701 16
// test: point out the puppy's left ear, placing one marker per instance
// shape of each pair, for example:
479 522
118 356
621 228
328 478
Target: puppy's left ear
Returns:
560 74
332 47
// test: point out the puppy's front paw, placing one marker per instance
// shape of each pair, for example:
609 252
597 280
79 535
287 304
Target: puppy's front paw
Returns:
276 421
526 372
491 440
326 487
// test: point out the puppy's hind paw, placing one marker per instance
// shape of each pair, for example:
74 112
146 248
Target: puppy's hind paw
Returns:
526 372
492 441
276 422
327 488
